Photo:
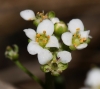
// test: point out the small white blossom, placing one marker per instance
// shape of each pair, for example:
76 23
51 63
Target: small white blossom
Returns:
41 39
27 14
93 78
64 56
76 28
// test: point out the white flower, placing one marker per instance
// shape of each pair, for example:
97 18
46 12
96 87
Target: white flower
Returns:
64 56
27 14
55 20
41 39
77 32
93 78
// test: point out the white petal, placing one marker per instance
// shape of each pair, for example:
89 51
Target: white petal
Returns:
30 33
75 24
53 42
67 38
55 20
64 56
84 34
44 56
93 77
90 36
33 48
46 25
27 15
82 46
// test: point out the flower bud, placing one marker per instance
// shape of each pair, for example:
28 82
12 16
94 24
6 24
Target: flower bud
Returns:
45 68
51 14
37 21
62 66
60 28
55 67
12 53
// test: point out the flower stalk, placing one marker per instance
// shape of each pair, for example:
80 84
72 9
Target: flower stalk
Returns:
11 54
29 73
49 81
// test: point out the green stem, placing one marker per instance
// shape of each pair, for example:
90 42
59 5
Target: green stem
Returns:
59 82
49 81
29 73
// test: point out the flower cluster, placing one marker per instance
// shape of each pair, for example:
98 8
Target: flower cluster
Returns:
53 40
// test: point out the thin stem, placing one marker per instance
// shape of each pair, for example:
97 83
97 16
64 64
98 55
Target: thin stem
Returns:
59 82
29 73
49 81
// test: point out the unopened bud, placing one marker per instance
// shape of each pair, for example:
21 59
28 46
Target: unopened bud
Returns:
62 66
45 68
51 14
12 53
37 21
60 28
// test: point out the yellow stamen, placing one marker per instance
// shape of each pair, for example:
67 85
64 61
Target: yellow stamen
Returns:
46 16
79 36
77 29
37 40
74 35
43 17
38 35
75 45
41 14
48 37
30 19
81 40
41 20
45 41
44 32
84 39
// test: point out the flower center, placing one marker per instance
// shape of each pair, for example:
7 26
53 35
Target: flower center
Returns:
77 40
42 39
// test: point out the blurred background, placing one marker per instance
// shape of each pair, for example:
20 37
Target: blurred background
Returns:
11 32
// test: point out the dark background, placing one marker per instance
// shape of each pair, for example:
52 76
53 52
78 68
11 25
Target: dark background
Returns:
11 32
